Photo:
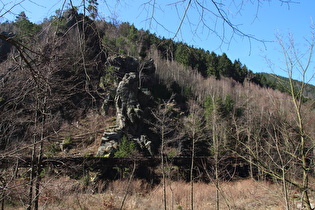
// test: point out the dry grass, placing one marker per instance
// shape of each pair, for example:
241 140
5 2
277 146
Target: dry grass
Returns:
65 193
245 194
83 136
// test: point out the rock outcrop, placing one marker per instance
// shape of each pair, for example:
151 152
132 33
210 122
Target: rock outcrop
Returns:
5 47
129 103
109 142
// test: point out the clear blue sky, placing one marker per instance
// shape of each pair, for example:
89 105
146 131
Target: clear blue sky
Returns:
262 22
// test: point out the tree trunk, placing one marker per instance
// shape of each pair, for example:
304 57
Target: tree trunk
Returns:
128 186
32 175
163 169
191 175
216 166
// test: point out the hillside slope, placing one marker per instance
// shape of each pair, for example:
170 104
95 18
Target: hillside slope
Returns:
74 78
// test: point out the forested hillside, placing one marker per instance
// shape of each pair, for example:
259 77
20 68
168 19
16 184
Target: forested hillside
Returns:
67 80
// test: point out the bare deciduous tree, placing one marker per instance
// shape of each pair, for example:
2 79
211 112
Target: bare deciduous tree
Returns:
164 127
300 63
211 15
194 126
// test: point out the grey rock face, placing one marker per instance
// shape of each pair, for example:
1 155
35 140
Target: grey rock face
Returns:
129 113
126 100
109 143
144 143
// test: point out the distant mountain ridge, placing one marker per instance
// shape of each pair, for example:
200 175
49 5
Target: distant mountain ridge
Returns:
282 83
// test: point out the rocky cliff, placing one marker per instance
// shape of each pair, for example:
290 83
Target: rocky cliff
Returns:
131 103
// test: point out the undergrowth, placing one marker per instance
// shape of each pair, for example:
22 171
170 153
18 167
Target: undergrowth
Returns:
66 193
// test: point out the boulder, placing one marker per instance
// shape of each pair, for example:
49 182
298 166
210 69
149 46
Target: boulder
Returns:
109 142
144 143
108 148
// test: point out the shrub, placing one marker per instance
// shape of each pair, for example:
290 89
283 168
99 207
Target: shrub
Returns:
126 148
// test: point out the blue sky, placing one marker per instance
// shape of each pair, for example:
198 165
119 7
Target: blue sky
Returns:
263 22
